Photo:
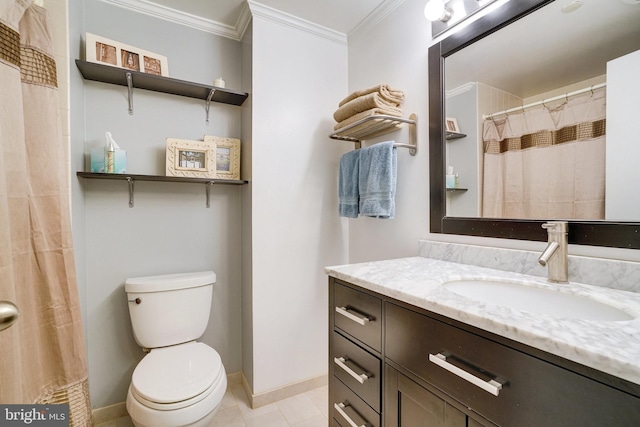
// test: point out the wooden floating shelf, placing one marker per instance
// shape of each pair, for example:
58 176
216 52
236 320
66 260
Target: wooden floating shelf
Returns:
131 178
118 76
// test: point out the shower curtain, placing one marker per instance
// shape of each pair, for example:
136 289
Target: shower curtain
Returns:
547 163
42 356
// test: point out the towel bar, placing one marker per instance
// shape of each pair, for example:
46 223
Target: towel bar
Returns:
376 125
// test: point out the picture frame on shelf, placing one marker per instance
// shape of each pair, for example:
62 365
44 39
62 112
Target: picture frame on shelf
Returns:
188 158
227 156
451 125
105 51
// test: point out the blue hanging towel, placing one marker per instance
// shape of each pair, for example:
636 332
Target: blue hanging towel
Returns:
348 184
377 180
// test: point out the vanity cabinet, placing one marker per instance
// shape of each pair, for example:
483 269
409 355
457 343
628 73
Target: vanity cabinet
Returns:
355 362
437 371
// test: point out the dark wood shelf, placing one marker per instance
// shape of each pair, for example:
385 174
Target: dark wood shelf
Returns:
118 76
125 176
132 178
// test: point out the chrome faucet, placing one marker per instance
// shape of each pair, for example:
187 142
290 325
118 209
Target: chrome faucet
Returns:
556 255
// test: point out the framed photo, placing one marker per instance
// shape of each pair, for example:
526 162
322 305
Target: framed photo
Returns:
227 156
452 125
110 52
194 159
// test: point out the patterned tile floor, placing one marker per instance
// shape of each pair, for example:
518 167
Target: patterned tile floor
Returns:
303 410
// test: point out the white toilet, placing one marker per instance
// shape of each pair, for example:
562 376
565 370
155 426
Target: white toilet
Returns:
181 382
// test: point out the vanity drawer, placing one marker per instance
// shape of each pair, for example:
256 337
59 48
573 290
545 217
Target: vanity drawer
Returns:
533 392
359 315
346 405
350 362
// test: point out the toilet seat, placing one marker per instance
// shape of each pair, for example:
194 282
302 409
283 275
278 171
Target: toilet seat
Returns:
175 377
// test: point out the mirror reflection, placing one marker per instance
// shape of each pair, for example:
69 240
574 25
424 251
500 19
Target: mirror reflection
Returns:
541 117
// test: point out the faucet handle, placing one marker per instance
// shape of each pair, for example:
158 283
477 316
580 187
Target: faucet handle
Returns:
556 226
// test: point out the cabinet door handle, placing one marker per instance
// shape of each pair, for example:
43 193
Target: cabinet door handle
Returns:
359 320
492 386
340 361
340 408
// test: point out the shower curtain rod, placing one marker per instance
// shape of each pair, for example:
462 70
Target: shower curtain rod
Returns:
544 101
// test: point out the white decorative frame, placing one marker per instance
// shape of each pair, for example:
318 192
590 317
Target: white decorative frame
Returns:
451 124
109 52
193 159
227 156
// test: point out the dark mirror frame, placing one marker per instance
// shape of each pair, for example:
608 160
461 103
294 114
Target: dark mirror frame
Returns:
593 233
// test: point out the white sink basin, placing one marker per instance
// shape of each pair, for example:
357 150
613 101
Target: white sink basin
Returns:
536 300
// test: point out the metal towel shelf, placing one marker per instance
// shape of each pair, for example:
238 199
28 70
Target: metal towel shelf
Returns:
376 125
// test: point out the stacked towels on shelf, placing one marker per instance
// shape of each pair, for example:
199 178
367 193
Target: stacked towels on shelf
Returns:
367 182
380 99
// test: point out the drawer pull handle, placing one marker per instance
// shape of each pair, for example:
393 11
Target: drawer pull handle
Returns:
359 320
340 361
340 408
492 386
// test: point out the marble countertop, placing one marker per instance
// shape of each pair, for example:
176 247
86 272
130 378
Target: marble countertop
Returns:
609 346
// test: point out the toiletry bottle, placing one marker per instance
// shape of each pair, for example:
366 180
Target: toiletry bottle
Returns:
457 183
450 180
110 152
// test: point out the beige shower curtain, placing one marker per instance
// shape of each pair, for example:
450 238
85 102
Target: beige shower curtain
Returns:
547 163
42 356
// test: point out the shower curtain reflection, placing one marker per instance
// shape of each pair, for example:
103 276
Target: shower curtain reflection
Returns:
42 356
547 162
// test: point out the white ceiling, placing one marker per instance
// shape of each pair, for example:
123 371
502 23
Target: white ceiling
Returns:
550 49
338 15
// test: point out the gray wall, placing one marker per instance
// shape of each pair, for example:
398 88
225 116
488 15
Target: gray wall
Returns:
169 230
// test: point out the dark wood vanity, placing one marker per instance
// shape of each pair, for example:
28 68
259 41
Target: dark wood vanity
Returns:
393 364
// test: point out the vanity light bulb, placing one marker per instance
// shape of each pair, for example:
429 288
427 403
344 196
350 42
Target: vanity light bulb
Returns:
435 10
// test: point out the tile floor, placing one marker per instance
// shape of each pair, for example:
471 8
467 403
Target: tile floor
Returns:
308 409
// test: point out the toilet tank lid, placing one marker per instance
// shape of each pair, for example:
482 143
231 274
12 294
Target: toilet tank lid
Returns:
168 282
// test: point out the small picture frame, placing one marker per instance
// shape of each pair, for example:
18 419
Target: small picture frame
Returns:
451 124
110 52
187 158
227 156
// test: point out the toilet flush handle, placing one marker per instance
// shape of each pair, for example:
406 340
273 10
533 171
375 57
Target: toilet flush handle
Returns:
137 301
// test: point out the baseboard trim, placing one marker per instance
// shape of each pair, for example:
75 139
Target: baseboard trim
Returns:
119 410
265 398
109 413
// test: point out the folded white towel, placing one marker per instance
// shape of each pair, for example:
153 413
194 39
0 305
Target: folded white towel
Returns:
388 94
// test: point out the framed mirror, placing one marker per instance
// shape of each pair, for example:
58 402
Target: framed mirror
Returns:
483 55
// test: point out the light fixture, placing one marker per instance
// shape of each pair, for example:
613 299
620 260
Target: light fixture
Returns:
435 10
570 7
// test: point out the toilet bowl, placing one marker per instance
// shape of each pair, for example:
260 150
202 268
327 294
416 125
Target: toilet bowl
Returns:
181 385
180 382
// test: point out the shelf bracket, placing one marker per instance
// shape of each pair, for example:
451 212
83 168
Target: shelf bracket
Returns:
130 181
208 104
130 91
208 192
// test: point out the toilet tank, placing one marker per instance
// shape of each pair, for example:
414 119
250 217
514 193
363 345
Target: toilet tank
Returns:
169 309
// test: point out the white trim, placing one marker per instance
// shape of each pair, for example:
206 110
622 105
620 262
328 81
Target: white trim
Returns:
383 10
460 89
268 397
286 19
168 14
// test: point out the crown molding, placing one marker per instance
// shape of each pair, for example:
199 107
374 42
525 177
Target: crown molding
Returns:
376 16
288 20
460 89
162 12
